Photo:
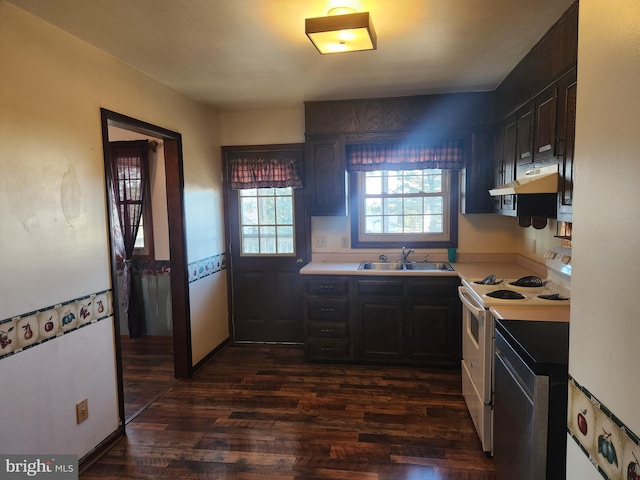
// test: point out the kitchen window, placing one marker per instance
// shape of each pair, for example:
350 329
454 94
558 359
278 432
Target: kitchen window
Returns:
395 204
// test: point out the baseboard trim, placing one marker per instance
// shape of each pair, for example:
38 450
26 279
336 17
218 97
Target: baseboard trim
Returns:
102 448
211 354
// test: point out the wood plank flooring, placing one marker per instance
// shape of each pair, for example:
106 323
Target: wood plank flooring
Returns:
147 371
257 412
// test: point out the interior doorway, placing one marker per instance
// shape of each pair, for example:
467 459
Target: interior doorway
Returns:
177 287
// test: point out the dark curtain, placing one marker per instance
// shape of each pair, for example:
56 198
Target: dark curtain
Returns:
129 171
264 173
400 156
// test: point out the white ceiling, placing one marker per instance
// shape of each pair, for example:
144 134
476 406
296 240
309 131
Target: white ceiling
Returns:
243 54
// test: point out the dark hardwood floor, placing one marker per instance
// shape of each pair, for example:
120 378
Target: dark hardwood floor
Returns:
147 371
256 412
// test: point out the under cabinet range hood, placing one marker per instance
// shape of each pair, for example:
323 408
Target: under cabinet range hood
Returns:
539 180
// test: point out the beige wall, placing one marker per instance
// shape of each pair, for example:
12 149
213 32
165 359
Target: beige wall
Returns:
605 325
533 243
262 127
53 234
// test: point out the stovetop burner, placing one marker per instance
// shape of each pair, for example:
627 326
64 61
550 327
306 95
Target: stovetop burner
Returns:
506 295
530 281
489 280
553 296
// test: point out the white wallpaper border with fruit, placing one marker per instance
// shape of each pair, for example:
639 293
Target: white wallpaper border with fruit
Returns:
612 448
207 266
26 331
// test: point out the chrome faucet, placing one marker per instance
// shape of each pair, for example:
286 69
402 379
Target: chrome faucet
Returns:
406 254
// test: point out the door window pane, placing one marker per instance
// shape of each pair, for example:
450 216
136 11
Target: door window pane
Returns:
266 221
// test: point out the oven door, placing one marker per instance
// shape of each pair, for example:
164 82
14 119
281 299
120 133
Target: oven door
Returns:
477 344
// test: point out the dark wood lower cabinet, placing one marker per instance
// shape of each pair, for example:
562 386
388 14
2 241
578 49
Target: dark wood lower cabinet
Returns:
379 328
390 320
434 334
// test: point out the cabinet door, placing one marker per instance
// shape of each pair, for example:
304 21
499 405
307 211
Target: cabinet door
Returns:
498 165
325 176
433 333
546 125
379 327
568 91
508 172
524 144
475 196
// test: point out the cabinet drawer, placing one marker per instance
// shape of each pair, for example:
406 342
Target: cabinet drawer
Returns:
380 287
328 330
328 309
328 348
325 285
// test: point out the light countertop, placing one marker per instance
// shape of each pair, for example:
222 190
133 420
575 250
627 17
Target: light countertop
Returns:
467 270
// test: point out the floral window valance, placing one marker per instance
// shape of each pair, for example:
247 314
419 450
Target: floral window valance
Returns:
264 173
400 156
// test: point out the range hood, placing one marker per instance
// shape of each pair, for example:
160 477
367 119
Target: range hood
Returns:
539 180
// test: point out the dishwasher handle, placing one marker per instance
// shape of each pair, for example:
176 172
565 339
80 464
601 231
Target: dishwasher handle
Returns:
468 302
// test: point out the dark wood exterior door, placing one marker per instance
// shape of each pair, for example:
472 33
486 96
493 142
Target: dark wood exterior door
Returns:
266 289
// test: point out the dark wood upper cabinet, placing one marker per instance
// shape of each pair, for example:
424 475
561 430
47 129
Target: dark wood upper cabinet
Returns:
507 168
325 176
546 105
477 174
524 134
567 122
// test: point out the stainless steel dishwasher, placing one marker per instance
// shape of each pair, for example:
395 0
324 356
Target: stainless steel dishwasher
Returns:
520 416
530 399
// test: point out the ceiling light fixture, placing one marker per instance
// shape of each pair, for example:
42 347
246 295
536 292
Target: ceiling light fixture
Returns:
343 30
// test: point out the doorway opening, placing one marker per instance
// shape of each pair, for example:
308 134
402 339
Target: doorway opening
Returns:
162 337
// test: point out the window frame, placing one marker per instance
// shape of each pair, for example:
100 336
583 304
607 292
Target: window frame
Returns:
275 225
355 200
147 252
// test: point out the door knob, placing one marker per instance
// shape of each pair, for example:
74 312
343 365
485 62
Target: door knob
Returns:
299 261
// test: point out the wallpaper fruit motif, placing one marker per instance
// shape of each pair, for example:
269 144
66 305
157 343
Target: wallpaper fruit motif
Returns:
207 266
609 444
29 330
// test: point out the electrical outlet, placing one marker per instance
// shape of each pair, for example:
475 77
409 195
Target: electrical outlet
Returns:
321 241
82 411
344 241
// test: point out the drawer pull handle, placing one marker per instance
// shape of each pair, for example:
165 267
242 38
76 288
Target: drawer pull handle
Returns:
327 330
327 310
327 349
326 287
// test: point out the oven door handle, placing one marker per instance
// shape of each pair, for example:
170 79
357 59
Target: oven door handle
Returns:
466 300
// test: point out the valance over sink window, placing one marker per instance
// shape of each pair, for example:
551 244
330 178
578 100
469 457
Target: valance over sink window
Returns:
404 156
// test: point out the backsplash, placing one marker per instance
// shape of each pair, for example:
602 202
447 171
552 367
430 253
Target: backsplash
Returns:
612 448
30 329
207 266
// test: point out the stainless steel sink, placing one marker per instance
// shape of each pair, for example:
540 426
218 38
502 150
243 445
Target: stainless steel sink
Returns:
430 266
424 267
381 266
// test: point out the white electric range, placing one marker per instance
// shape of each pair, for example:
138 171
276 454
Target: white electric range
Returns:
478 329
